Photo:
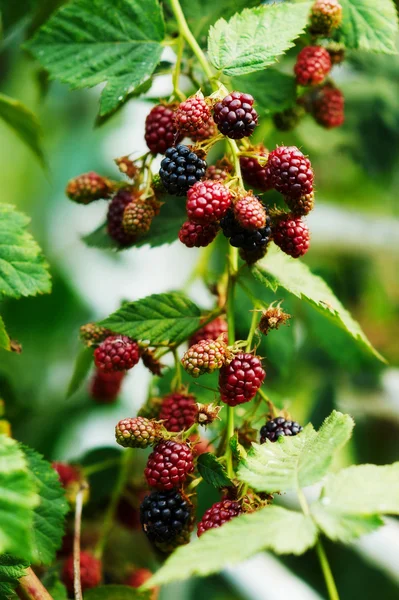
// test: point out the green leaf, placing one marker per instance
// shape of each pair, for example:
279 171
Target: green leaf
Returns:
115 592
49 515
369 25
270 528
157 319
23 122
164 228
212 471
255 38
292 463
279 270
23 270
274 91
18 498
88 42
11 569
83 363
4 339
58 591
239 452
353 499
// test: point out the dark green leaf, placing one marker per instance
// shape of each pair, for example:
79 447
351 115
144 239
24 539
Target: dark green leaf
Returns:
11 569
212 471
158 319
83 362
23 122
89 42
273 91
4 339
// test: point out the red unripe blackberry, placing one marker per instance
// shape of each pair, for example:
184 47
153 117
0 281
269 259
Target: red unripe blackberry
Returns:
217 173
328 107
160 129
137 432
235 116
290 172
220 513
67 474
90 572
253 173
115 213
210 331
88 187
168 465
207 201
240 380
117 353
178 411
206 131
164 516
291 235
313 63
325 16
180 169
302 205
138 577
249 212
205 357
195 235
278 427
191 115
105 387
137 217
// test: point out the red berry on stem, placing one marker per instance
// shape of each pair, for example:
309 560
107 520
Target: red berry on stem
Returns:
90 572
291 234
160 129
105 387
217 515
137 217
168 465
88 187
195 235
240 380
290 172
191 115
115 214
178 411
205 357
253 173
250 212
137 432
235 116
313 63
210 331
67 474
117 353
328 107
207 201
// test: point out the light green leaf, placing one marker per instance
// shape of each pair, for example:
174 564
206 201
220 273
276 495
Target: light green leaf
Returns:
24 123
239 452
295 462
18 498
11 569
212 471
270 528
23 270
158 319
273 91
115 592
279 270
83 363
49 515
353 499
88 42
255 38
4 339
369 25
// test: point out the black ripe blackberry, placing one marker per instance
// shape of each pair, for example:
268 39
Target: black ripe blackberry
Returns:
250 240
180 169
164 516
276 427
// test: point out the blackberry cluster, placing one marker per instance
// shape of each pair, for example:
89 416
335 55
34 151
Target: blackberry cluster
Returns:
178 411
137 432
218 514
239 237
164 515
205 357
312 65
275 428
180 169
196 235
117 353
235 116
168 465
240 379
160 129
291 235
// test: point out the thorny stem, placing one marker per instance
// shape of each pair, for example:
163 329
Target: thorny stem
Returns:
177 381
77 586
31 588
176 72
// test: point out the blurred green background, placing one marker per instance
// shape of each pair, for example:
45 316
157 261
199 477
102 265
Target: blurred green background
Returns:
312 367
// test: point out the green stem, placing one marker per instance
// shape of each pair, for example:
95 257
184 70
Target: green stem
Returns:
233 261
252 329
328 576
109 516
236 160
190 39
177 380
31 588
100 466
176 72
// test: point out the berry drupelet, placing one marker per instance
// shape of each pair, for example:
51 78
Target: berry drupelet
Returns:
117 353
217 515
164 516
235 116
180 169
240 379
160 129
275 428
207 201
168 465
195 235
312 65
